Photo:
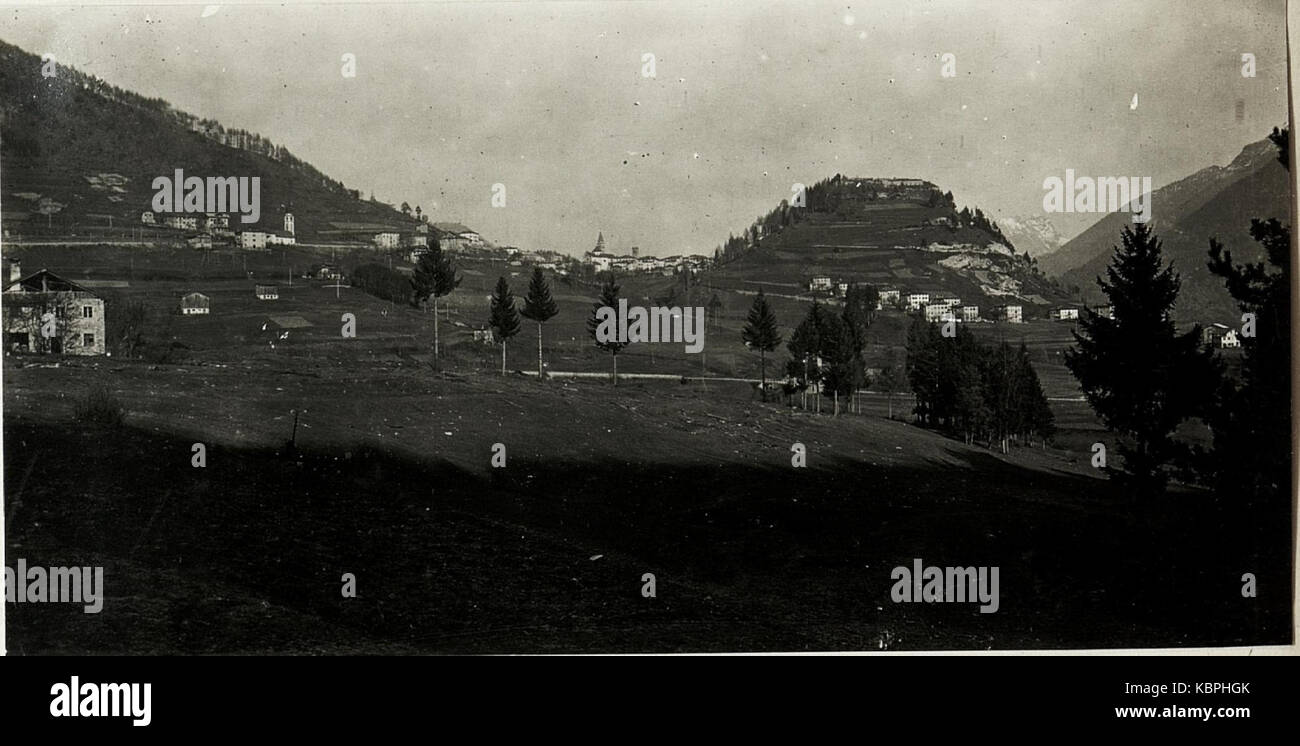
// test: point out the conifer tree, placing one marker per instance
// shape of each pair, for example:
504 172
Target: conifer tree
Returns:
504 319
608 299
1140 376
540 308
434 277
760 334
1252 445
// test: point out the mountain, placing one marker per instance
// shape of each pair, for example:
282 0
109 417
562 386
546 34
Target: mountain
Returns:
900 233
1036 234
78 152
1218 201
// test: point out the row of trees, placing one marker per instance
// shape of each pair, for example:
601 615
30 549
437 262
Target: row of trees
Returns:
826 349
503 318
985 392
383 282
1144 379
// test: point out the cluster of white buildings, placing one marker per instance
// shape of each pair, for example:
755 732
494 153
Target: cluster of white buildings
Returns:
935 305
211 224
603 261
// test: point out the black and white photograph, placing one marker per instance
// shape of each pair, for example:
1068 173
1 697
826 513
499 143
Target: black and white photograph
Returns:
533 328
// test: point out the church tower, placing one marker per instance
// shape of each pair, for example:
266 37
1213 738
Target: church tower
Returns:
288 223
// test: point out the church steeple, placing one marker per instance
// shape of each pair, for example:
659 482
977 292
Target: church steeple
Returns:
600 241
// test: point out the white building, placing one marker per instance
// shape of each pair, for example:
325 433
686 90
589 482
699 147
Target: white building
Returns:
970 313
184 222
252 240
938 312
195 304
1221 336
1012 314
820 282
1065 314
267 292
916 300
387 240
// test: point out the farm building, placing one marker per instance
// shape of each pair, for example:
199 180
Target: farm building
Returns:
267 292
48 314
195 304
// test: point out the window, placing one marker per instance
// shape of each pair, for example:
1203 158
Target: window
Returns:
87 312
88 340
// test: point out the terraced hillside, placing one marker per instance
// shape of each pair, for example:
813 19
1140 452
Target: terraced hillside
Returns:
912 239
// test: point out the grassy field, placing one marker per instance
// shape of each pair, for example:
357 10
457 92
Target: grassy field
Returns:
392 481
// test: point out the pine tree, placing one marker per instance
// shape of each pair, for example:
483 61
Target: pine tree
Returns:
922 367
760 334
503 319
539 307
434 277
608 299
1140 376
805 345
860 312
1252 445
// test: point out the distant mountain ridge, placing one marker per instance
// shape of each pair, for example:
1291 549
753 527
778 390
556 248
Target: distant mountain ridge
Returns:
1037 234
1218 201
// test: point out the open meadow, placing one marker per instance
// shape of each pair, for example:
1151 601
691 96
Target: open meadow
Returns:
391 479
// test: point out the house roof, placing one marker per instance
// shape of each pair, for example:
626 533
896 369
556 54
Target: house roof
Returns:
45 281
456 228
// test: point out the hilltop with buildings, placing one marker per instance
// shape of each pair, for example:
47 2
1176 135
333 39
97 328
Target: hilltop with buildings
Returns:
905 237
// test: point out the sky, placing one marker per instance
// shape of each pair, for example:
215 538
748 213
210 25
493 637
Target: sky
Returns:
552 101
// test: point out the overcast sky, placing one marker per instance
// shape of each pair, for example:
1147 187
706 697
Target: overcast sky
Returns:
548 98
